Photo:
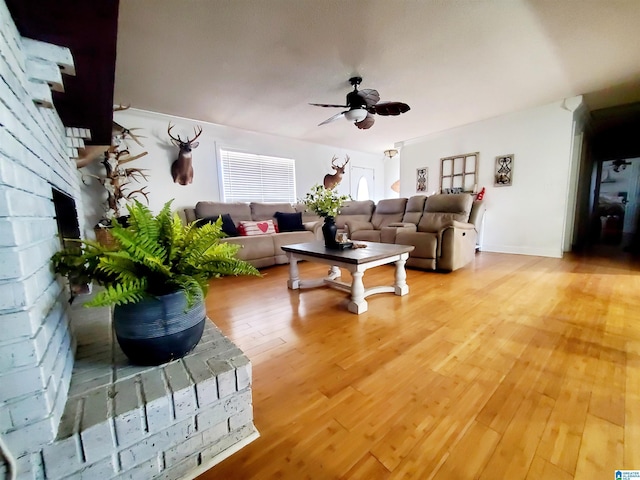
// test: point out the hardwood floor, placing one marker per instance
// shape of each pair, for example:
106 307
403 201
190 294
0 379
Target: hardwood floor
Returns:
515 367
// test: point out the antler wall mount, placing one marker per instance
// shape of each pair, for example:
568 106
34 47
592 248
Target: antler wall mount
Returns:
117 178
362 105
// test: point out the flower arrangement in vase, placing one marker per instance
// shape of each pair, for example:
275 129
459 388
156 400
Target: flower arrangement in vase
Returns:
326 203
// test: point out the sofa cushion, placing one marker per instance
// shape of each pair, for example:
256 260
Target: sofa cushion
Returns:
307 215
228 226
353 226
477 212
188 215
239 211
257 250
441 210
414 209
289 238
251 228
388 211
289 222
355 210
265 211
366 235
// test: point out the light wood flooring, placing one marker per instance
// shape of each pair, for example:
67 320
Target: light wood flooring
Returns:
515 367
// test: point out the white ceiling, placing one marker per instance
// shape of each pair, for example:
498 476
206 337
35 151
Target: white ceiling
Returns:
256 64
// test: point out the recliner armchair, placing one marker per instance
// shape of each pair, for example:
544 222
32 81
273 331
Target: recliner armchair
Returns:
444 239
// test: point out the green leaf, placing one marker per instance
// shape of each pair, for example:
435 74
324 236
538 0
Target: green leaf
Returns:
152 256
119 294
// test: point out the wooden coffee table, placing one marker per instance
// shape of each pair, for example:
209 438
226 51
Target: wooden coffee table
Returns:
356 260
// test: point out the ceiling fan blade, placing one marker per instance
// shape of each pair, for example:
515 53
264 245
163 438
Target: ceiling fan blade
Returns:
390 108
332 119
368 121
370 96
328 105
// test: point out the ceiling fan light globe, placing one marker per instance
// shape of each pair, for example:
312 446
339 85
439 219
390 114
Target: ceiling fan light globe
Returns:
356 115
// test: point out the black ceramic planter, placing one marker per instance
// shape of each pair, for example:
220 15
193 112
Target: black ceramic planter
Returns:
329 230
160 329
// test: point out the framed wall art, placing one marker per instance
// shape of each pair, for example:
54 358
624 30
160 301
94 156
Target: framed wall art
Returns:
422 179
459 173
504 171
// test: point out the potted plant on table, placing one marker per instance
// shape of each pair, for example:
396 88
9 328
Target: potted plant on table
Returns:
326 203
156 275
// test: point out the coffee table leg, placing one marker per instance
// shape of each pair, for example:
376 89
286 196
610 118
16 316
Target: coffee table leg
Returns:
357 304
400 285
294 275
334 272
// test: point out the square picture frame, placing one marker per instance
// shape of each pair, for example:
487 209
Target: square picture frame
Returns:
504 170
422 179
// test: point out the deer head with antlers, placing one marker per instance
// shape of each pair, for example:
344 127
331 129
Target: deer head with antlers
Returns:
181 168
330 181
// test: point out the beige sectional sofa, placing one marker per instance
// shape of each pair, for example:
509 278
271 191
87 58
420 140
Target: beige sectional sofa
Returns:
443 228
259 250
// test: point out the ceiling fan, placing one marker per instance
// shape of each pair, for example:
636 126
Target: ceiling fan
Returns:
362 104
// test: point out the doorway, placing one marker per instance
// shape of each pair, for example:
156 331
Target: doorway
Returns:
609 194
363 183
617 204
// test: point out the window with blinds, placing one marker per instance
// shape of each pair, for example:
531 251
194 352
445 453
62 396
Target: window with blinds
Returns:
247 177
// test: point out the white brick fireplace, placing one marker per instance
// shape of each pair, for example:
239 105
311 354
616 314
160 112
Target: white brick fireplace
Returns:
98 417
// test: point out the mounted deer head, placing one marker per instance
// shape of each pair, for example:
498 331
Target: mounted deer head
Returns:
181 168
330 181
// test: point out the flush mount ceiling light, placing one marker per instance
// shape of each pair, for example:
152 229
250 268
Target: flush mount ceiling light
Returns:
356 115
390 153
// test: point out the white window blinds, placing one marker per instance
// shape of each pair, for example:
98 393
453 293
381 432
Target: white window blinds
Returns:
257 178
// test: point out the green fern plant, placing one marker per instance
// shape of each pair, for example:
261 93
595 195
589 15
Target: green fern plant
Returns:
153 256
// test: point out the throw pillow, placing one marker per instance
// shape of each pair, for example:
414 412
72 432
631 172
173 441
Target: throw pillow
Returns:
289 222
228 226
263 227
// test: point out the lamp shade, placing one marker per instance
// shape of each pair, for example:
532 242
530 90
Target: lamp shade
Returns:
356 115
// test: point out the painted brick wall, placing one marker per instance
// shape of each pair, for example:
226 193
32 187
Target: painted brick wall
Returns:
36 344
91 418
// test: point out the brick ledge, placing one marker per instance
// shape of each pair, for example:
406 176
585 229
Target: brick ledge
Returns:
120 420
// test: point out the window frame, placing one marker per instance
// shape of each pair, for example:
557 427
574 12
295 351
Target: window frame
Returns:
226 154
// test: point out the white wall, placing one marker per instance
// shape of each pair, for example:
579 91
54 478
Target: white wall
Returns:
529 216
391 174
313 161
